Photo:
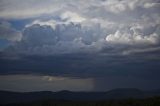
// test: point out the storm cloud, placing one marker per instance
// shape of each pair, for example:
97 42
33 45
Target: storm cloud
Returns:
101 40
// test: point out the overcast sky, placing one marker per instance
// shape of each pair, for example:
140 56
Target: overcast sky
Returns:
88 45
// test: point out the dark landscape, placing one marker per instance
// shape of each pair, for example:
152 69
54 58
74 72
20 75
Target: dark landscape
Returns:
116 97
155 101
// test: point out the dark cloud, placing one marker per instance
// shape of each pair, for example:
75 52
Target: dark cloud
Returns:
82 65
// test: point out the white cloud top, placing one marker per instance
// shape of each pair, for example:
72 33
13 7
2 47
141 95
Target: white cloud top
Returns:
131 39
72 17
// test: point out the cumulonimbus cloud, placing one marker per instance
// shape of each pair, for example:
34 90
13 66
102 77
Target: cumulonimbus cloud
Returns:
106 27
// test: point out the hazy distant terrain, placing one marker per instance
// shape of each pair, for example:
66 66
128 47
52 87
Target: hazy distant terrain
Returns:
116 96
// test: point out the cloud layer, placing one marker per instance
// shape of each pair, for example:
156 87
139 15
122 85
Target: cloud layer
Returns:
77 26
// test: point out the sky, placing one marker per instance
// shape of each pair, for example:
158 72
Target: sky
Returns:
79 45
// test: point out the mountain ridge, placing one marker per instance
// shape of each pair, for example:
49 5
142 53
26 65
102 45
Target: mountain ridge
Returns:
119 93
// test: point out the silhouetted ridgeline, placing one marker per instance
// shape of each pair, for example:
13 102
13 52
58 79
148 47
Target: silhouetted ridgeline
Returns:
116 97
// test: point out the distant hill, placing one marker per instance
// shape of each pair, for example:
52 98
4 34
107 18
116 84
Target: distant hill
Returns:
122 93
